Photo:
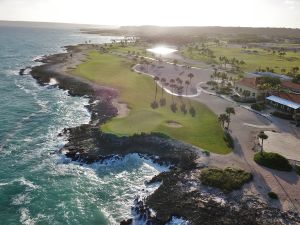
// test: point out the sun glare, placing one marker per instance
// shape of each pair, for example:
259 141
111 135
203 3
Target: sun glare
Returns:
162 50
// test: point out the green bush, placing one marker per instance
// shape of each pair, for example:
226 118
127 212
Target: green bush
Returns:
273 195
227 180
257 107
228 139
282 115
297 168
273 161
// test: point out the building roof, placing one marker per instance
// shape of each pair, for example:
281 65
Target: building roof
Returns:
287 99
291 85
251 82
269 74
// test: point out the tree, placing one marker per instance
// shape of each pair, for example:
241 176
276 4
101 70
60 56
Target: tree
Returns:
263 137
297 118
230 110
163 83
191 75
156 78
187 83
223 118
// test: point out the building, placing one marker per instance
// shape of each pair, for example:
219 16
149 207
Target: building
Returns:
291 87
287 102
248 87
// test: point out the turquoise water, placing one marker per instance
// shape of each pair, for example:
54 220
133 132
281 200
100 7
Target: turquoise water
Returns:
37 187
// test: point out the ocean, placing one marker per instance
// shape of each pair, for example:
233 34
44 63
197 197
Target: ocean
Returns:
37 186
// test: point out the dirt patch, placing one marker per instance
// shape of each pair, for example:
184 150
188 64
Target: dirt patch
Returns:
284 144
122 108
173 124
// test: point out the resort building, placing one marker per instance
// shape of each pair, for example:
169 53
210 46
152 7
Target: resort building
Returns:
287 102
248 87
291 87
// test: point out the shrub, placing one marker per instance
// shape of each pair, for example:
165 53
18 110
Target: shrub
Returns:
212 83
227 180
273 195
282 115
228 139
257 107
243 100
297 168
273 161
161 135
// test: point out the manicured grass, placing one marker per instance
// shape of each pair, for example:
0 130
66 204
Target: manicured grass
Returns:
273 161
261 59
227 180
138 92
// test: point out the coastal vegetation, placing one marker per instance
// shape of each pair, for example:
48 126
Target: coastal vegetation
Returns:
227 180
297 169
272 160
138 91
273 195
250 59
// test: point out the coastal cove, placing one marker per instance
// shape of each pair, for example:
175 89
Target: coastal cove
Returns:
39 185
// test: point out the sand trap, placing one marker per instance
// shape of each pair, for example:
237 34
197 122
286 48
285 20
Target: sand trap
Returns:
122 108
173 124
284 144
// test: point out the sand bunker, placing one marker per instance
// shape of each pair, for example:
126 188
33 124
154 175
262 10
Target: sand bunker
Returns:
122 108
173 124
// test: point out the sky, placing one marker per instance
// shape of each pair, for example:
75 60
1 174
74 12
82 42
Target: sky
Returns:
244 13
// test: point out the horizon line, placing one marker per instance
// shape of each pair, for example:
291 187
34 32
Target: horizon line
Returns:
145 25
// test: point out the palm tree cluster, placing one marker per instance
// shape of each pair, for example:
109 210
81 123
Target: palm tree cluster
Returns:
177 86
226 117
235 63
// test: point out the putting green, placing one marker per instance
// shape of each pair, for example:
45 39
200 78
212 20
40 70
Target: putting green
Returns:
138 92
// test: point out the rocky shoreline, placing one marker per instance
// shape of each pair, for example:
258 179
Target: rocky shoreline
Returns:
181 193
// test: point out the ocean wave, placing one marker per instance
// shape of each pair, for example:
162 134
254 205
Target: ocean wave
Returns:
177 221
21 199
26 219
29 184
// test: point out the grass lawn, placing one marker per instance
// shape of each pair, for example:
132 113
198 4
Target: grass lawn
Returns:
138 91
261 59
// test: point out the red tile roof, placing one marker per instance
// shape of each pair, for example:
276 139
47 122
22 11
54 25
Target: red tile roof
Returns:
289 96
251 82
291 85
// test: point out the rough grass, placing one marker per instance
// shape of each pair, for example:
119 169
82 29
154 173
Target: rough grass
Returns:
138 92
262 59
227 180
273 161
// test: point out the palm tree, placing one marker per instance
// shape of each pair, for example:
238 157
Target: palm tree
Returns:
230 110
263 137
173 86
163 83
156 78
187 83
190 75
223 118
